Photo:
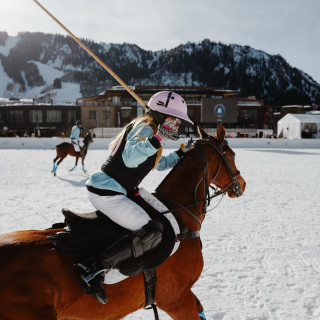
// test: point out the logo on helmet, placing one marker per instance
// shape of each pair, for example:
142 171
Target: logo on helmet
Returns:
160 103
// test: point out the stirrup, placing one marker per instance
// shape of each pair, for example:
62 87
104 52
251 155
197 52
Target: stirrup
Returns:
97 289
93 284
86 278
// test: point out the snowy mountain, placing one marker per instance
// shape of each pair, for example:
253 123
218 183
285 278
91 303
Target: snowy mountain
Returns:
33 65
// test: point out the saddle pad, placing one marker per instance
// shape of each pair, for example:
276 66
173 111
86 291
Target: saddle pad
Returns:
159 206
114 275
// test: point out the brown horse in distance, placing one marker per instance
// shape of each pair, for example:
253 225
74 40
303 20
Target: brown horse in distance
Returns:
37 281
65 148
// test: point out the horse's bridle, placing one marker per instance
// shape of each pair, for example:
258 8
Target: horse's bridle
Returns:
86 142
221 148
234 186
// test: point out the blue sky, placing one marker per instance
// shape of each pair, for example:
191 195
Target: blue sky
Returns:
290 28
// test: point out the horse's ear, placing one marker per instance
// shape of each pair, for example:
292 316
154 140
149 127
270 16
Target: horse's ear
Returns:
221 132
202 133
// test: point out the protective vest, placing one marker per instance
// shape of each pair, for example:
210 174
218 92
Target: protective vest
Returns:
129 178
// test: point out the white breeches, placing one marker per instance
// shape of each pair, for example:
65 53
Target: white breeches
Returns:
121 210
75 145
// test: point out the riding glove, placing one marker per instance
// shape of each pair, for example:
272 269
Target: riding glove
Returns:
185 147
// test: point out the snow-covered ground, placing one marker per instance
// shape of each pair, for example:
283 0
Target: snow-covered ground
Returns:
261 251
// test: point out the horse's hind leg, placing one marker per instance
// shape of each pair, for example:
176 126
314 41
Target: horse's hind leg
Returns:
54 164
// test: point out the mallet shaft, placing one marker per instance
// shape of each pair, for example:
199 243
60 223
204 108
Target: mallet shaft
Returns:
93 55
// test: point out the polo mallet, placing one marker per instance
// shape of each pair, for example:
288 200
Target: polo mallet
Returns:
93 55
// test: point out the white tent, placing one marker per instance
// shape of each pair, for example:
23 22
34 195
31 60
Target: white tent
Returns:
296 126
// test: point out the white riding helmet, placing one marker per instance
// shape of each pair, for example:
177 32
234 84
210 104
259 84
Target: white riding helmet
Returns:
169 103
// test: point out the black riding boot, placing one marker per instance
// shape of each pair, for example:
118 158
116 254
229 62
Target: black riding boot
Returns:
133 245
92 271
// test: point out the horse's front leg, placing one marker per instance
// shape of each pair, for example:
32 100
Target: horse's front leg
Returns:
83 169
200 308
77 158
185 308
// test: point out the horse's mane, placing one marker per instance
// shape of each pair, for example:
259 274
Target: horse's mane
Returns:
87 137
176 168
189 165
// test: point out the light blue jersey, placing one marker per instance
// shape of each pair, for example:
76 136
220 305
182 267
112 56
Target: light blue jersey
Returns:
137 149
75 133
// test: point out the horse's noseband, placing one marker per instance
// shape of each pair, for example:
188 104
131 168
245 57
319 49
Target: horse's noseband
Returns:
235 186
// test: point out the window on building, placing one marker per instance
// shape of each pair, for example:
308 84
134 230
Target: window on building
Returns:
116 100
1 118
125 115
314 128
106 115
54 116
249 115
140 111
35 116
191 113
16 116
92 115
72 116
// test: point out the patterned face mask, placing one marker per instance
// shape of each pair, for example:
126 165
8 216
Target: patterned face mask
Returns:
170 127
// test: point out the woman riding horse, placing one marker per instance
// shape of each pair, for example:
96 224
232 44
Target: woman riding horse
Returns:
75 136
38 282
63 149
136 151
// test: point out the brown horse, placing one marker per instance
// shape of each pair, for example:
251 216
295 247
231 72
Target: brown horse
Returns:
38 282
65 148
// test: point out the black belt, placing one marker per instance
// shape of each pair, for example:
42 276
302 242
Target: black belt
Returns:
103 192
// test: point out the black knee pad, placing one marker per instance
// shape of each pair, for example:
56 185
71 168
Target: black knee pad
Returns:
147 238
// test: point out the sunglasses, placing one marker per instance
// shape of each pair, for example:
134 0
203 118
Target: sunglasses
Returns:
176 121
